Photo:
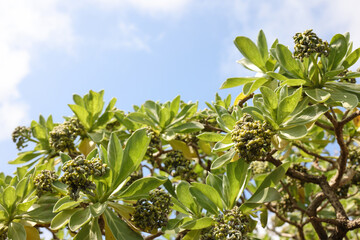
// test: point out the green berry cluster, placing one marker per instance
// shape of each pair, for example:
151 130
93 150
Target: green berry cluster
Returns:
343 190
285 204
207 233
21 136
252 138
133 177
307 43
177 165
62 136
152 213
43 182
233 224
354 156
155 143
260 167
348 80
77 172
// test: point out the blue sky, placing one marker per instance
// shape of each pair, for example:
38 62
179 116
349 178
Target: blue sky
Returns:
138 49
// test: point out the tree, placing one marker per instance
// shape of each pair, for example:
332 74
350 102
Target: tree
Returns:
172 170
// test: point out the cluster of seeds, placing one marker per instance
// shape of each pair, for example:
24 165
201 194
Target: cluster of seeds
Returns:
77 173
348 80
354 156
152 213
189 138
343 191
43 181
233 224
260 167
62 136
21 136
307 43
285 204
207 233
154 145
177 165
252 138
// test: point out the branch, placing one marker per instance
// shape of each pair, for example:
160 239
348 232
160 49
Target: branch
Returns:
314 154
242 101
151 237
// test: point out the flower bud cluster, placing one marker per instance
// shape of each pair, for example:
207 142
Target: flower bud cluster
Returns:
155 142
21 136
343 190
62 136
77 173
348 80
354 156
43 182
152 213
260 167
307 43
285 204
233 224
207 233
252 138
177 165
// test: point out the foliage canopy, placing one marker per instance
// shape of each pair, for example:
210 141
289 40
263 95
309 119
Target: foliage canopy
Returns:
172 170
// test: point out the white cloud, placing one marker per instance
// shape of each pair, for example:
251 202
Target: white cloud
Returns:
282 19
24 26
157 8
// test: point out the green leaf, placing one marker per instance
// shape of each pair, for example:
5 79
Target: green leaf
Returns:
262 45
25 157
141 118
62 218
174 106
351 59
318 95
307 115
288 105
285 59
346 99
95 231
16 231
24 206
185 197
84 233
192 235
9 197
187 127
264 217
94 102
270 98
97 209
81 114
251 87
236 173
41 214
115 156
223 159
273 178
294 132
65 203
263 196
338 48
141 187
204 200
79 218
164 116
64 157
198 223
234 82
134 152
21 187
293 82
119 229
250 51
210 136
209 192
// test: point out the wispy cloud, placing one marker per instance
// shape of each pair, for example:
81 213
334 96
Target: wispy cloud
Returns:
155 8
24 25
282 19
